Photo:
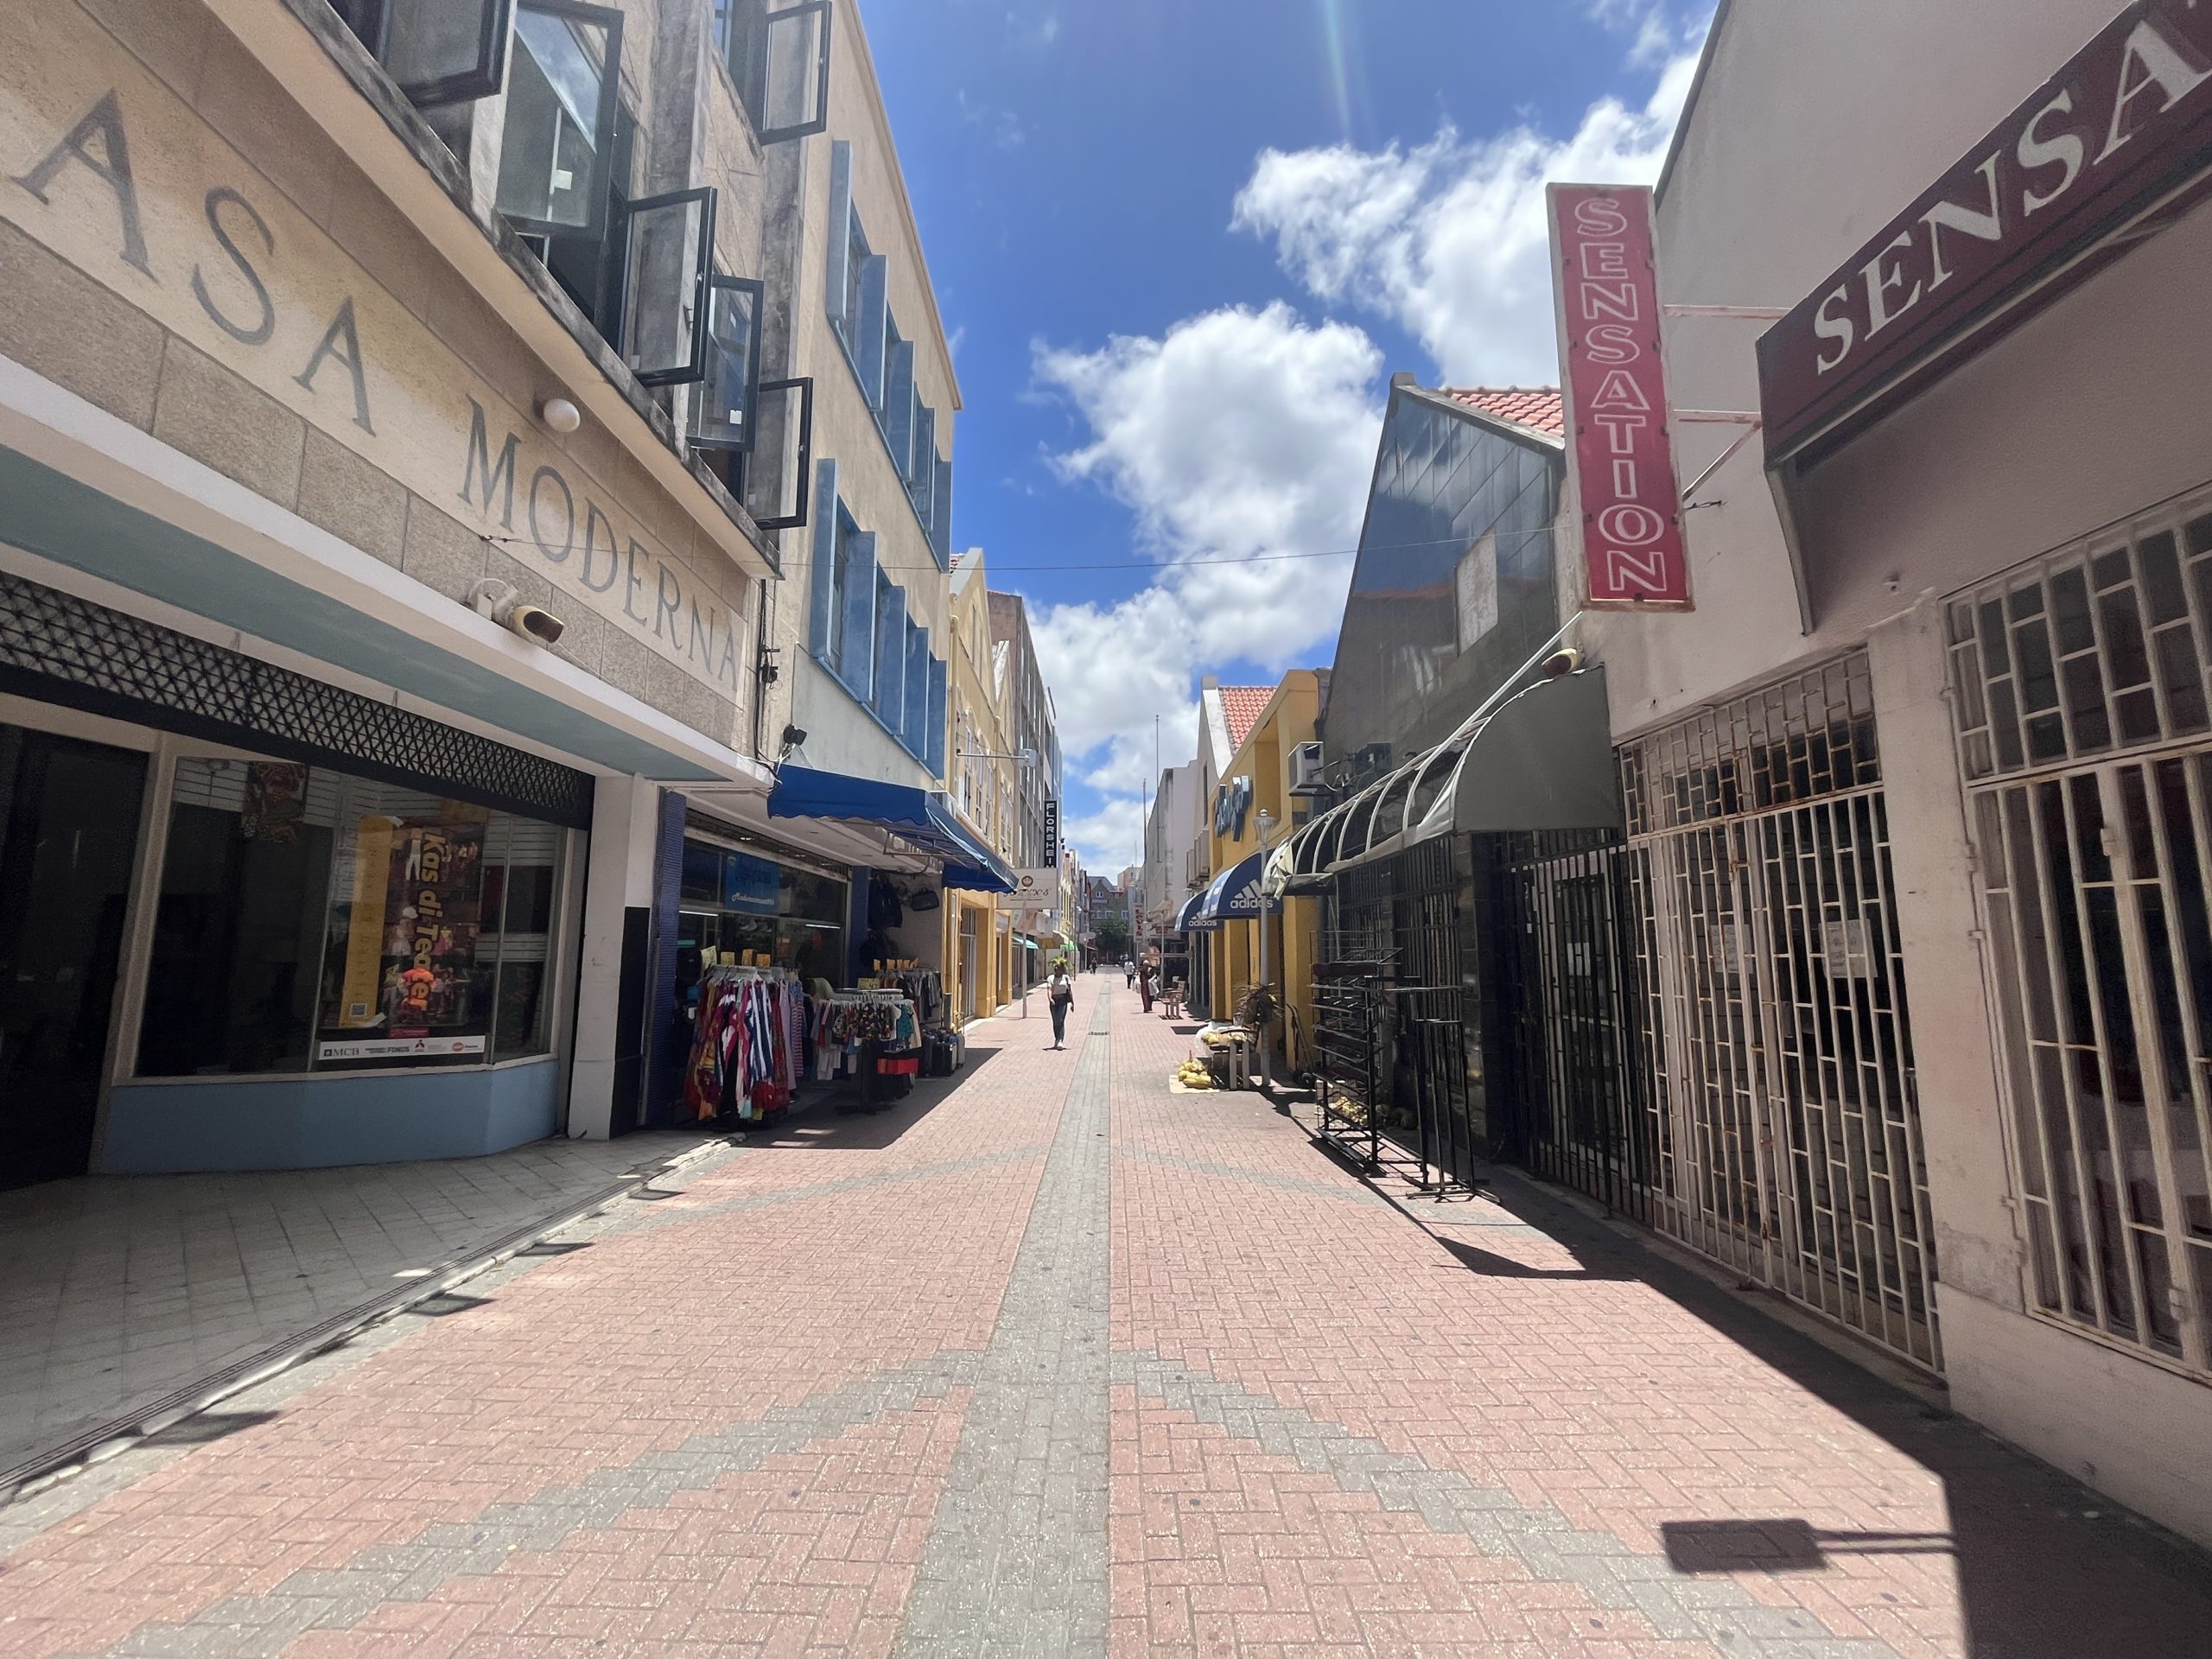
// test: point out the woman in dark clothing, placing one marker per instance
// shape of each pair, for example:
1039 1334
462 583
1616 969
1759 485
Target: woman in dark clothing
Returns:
1059 995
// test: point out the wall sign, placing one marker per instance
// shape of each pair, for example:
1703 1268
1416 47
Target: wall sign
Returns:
1052 830
103 162
2117 141
1616 386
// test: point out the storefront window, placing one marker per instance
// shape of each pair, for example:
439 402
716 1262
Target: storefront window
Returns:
733 902
312 920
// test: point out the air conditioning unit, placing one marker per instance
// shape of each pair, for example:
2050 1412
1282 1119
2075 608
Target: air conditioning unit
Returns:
1306 769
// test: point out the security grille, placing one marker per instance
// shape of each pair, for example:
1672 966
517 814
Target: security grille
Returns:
1784 1127
2078 683
1409 914
58 648
1571 1015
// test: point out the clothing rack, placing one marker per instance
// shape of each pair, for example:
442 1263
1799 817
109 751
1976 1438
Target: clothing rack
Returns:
748 1043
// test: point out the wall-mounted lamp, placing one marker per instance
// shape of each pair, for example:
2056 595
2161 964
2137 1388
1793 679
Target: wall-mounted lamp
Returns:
488 596
560 415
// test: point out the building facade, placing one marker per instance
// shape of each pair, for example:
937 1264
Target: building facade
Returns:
1846 926
412 447
1170 842
985 786
1927 750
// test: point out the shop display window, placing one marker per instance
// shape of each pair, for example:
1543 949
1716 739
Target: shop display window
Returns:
309 920
733 902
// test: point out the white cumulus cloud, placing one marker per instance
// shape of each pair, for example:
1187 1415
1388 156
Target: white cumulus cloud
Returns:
1238 435
1448 240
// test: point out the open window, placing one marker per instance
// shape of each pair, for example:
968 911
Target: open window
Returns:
779 59
556 148
668 257
437 51
779 467
723 417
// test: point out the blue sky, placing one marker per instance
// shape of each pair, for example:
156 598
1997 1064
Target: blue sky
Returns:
1181 245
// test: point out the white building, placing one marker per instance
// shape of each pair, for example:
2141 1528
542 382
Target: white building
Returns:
1920 795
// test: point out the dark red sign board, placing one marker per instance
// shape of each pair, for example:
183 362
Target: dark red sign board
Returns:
1616 387
2118 139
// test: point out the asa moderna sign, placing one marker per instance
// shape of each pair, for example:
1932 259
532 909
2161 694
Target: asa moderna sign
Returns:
2112 145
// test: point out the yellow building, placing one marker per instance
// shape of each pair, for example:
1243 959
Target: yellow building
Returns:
983 780
1249 811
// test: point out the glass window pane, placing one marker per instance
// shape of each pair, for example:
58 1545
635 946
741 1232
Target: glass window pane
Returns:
727 396
551 173
526 855
407 978
797 53
239 929
446 51
665 275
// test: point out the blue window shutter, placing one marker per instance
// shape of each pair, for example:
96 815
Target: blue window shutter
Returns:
940 518
898 405
860 615
917 708
825 559
923 479
867 338
937 715
889 696
841 228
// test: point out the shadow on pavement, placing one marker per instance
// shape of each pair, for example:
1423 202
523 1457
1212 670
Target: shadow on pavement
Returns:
837 1122
1493 1266
2041 1559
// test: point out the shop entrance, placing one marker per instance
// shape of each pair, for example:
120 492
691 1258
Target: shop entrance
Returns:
68 828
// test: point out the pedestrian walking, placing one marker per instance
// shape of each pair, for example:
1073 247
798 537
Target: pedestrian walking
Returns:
1145 984
1059 994
1129 972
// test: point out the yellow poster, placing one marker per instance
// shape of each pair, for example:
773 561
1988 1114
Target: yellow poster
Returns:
359 1002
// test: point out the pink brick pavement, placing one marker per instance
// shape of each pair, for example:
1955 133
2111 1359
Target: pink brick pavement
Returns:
1540 1366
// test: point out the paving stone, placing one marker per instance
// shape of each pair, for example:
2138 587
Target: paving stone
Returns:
1051 1360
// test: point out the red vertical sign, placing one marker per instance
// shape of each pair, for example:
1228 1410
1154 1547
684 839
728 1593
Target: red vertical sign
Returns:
1616 389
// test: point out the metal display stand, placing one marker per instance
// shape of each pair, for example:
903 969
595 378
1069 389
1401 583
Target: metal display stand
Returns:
1350 1005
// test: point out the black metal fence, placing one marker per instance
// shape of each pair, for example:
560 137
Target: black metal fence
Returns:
1572 1059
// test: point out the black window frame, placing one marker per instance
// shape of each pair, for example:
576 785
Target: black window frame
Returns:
718 283
702 270
745 40
803 385
610 97
371 22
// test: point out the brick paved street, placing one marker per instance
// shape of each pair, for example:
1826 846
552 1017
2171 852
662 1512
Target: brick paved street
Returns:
1054 1360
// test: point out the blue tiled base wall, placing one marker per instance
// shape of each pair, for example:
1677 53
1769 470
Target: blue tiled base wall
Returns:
237 1123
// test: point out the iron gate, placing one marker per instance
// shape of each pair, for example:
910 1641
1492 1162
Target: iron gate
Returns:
1573 1079
2078 686
1783 1124
1409 913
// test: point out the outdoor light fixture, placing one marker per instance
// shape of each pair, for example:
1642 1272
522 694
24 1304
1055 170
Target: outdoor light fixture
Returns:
490 597
793 737
1565 660
560 415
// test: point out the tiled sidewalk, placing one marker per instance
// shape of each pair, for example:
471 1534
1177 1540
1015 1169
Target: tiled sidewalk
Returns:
119 1290
1051 1360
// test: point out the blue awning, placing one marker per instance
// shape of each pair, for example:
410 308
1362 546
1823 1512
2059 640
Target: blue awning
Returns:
1186 918
1235 895
917 817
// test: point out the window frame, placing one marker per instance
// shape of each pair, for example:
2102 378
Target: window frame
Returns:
718 283
701 275
798 518
495 39
768 135
610 97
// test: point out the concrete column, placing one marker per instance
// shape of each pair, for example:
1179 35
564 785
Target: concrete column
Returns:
607 1072
1978 1247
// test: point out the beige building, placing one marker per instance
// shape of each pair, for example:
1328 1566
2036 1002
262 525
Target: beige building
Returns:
421 455
984 786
